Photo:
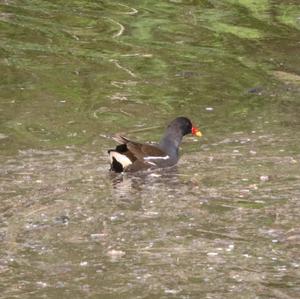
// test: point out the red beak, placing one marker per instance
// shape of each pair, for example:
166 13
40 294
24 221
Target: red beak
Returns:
196 132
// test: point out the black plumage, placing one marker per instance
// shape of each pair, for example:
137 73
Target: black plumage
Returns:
130 156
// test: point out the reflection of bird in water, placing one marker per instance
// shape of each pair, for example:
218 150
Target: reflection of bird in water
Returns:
126 184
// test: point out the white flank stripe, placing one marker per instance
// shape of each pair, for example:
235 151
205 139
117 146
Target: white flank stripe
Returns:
157 157
122 159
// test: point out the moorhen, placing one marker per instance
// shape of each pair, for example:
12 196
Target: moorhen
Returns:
130 156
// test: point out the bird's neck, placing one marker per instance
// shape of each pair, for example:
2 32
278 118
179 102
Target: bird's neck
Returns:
170 143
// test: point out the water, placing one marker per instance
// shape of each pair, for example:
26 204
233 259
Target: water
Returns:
224 223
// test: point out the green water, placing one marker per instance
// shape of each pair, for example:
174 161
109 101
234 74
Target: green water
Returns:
224 224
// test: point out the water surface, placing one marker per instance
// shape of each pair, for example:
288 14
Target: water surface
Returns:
224 223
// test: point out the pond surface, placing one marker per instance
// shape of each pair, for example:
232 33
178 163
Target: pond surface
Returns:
224 224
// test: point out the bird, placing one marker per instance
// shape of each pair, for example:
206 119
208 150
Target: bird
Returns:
131 156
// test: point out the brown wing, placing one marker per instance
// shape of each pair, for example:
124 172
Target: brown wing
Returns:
136 152
140 151
120 139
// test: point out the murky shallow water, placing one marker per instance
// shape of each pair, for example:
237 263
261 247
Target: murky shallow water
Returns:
223 224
